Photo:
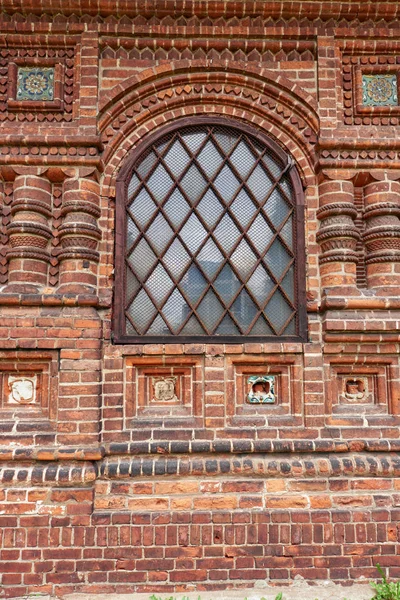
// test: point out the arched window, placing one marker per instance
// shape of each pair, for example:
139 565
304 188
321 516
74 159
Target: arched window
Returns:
210 237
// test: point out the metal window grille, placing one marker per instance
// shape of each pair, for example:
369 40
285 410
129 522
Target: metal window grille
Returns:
211 238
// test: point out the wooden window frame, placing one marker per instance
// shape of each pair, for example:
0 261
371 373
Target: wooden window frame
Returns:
122 182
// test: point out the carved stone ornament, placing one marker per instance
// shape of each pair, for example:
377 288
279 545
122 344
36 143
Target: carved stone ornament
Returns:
22 390
261 389
164 389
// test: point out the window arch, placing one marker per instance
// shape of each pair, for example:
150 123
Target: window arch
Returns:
209 237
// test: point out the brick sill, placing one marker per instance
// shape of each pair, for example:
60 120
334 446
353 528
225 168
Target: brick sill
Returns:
165 449
53 300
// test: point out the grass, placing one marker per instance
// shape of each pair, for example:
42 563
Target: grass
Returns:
386 590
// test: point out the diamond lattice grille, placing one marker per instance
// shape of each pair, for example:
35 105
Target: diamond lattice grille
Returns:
210 233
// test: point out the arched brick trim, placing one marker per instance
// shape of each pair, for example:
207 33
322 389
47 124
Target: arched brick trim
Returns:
122 95
261 95
286 135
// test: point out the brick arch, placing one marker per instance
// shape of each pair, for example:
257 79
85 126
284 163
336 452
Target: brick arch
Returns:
263 100
117 100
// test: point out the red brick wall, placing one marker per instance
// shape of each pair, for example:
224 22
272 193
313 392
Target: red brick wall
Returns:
101 491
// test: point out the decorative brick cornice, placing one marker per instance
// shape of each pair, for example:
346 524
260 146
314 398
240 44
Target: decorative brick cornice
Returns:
52 300
359 303
253 466
235 446
335 9
197 47
50 474
51 453
123 452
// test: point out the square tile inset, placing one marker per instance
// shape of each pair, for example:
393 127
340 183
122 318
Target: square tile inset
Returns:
379 90
28 385
261 389
23 389
264 390
35 83
167 389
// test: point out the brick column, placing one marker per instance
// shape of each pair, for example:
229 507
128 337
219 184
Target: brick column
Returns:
29 234
337 235
382 234
79 236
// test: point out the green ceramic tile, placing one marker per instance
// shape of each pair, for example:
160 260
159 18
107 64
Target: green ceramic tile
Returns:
379 90
35 83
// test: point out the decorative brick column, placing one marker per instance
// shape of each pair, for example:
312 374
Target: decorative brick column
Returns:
79 235
382 234
338 234
29 233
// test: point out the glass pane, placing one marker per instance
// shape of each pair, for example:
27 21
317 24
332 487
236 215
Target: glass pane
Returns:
142 310
159 184
146 164
278 311
193 233
158 327
288 284
210 259
244 310
227 327
176 208
132 232
193 327
176 259
227 284
277 208
133 186
243 208
277 259
226 233
260 285
291 328
286 185
175 310
159 284
210 159
142 208
244 260
287 232
193 284
176 159
259 184
210 311
242 159
272 166
132 284
193 184
194 139
261 327
260 234
226 139
142 259
226 184
130 330
210 208
163 145
159 234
